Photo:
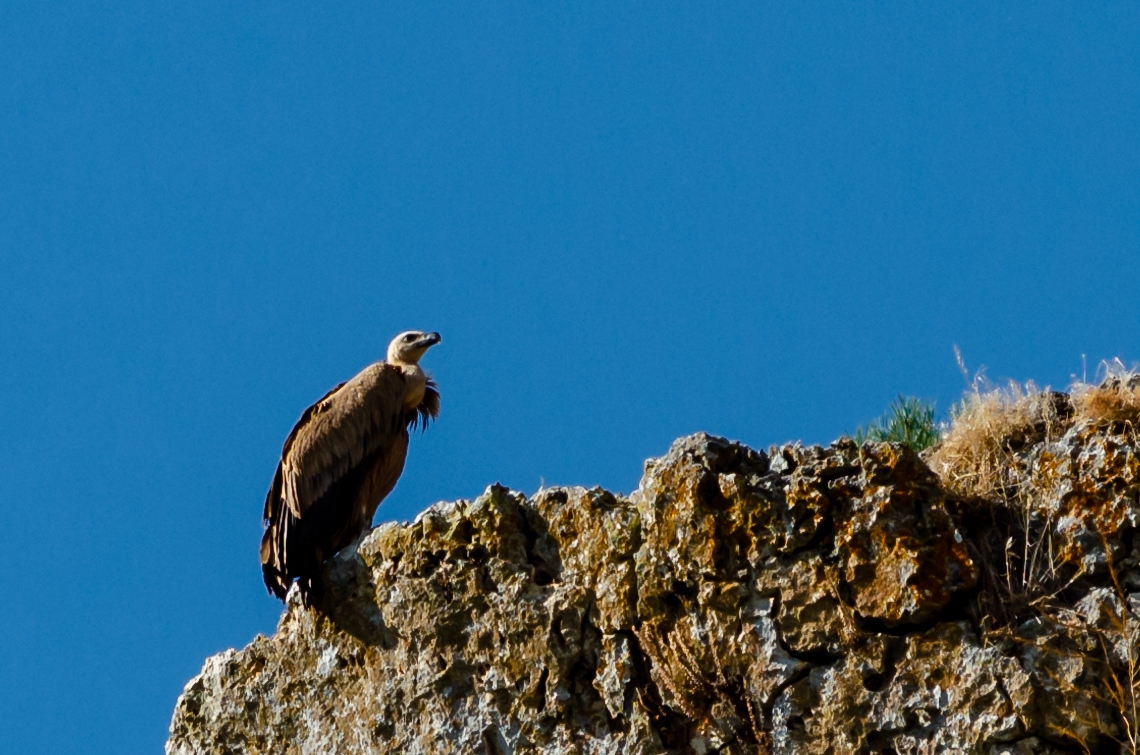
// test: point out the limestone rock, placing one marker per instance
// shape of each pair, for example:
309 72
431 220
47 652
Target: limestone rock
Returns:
805 600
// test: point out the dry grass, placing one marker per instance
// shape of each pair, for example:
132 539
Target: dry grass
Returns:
982 460
1114 398
1122 682
977 455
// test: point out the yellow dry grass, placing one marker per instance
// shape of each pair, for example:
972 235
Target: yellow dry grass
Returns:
1115 398
976 457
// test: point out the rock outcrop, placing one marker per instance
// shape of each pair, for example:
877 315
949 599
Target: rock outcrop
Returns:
804 600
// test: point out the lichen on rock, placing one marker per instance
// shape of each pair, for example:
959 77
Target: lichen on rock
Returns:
804 600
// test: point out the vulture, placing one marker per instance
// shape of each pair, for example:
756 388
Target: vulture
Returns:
342 457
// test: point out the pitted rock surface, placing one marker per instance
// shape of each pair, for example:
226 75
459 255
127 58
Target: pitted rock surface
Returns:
805 600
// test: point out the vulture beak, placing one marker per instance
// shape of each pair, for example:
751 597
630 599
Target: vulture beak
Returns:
429 339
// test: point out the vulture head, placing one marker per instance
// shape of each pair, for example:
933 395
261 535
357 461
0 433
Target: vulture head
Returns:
408 347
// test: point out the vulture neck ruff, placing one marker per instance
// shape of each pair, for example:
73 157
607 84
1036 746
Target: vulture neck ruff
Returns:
404 353
415 386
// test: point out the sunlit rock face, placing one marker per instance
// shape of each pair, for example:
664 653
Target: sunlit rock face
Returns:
804 600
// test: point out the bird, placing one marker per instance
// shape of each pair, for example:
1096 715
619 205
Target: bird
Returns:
341 459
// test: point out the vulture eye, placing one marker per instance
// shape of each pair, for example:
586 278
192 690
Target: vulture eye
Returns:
410 337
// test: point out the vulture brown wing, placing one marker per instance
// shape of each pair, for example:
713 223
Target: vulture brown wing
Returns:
275 489
357 420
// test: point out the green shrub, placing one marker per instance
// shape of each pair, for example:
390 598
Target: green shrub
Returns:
908 420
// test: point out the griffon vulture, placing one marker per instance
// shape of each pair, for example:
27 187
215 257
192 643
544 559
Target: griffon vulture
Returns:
342 457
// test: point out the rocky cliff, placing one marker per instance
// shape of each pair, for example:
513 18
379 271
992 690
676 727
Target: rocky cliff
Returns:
805 600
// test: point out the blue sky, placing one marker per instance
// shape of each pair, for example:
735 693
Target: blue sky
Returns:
630 221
